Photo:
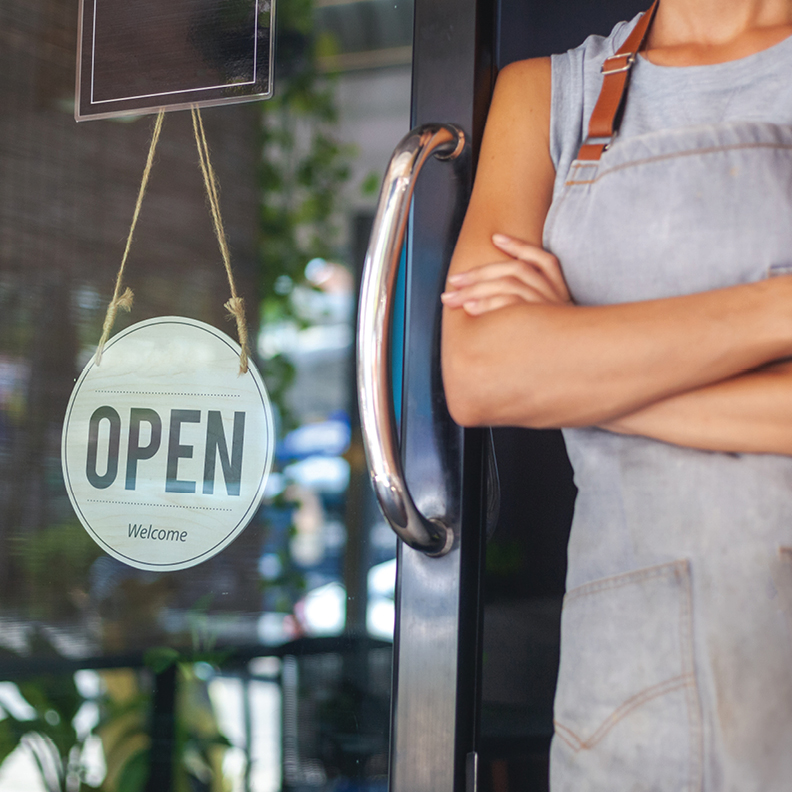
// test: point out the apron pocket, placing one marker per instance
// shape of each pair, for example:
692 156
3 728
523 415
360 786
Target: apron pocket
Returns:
627 714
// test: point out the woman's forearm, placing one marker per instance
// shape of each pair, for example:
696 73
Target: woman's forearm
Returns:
551 365
749 413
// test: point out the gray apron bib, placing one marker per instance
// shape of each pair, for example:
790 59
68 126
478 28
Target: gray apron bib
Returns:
676 659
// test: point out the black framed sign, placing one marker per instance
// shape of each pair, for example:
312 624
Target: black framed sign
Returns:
140 56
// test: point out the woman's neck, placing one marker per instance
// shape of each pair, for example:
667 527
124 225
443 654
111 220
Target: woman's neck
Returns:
698 32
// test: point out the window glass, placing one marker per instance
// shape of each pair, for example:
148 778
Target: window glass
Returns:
266 667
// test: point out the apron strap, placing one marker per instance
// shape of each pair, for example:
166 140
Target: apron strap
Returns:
606 117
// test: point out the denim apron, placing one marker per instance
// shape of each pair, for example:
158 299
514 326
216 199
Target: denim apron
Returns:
676 656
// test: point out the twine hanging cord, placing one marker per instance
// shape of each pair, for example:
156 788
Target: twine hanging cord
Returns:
124 300
235 306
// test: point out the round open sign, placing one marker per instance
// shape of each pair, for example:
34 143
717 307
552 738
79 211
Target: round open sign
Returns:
166 448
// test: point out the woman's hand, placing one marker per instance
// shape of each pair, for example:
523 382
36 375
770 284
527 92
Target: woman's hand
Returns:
531 275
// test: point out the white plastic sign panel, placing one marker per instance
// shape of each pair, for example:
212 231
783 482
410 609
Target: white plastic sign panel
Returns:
138 56
166 448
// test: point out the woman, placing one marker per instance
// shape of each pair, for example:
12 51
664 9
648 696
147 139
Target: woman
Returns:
630 297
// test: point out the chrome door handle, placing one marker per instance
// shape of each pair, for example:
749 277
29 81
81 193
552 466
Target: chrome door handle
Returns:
375 315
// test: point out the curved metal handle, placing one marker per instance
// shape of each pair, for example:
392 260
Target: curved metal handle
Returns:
374 324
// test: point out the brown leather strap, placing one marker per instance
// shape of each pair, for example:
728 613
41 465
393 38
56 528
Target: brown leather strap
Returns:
604 122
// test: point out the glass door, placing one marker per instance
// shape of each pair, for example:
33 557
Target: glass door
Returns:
268 666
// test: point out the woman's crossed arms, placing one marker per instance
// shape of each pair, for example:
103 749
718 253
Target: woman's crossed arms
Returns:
698 370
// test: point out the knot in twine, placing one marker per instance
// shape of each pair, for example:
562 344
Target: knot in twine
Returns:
235 306
236 310
124 302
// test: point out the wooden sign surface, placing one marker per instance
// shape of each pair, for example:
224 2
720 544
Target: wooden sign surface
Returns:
139 56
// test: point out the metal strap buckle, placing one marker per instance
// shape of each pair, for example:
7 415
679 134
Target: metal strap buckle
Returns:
630 56
605 142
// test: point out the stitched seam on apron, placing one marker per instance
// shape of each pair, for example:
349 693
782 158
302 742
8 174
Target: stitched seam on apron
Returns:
690 153
606 584
669 686
693 705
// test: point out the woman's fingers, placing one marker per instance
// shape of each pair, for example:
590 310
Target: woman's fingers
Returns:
531 275
521 273
532 265
496 292
487 304
538 257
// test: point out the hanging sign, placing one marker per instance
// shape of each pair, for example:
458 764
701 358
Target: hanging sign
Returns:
138 56
166 447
